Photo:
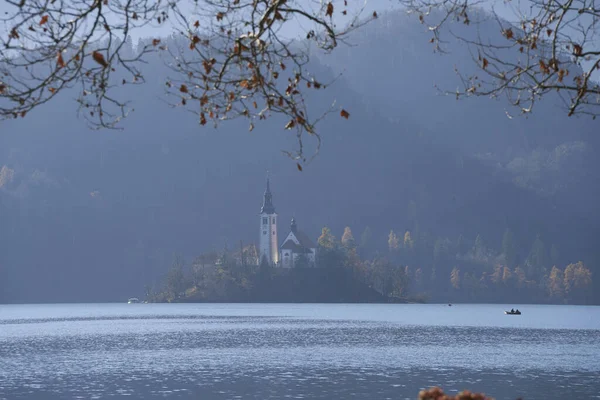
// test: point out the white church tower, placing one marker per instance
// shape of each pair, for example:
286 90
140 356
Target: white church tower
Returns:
269 248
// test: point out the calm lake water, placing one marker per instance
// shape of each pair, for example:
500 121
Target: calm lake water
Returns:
311 351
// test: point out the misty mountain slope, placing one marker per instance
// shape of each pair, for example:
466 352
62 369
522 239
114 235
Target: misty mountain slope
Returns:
92 215
394 68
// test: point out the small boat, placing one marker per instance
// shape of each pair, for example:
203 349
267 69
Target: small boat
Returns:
449 304
133 300
512 312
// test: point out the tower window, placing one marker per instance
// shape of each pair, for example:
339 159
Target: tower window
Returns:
273 219
265 221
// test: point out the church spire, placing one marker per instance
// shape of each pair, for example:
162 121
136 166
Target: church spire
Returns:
267 207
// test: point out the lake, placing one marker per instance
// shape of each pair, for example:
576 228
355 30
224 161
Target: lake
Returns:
296 351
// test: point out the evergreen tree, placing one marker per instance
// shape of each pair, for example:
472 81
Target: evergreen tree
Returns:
462 246
479 250
554 255
508 248
328 253
175 279
537 259
455 278
520 276
441 250
365 237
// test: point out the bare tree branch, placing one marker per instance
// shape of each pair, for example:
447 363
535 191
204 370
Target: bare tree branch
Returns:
549 47
237 62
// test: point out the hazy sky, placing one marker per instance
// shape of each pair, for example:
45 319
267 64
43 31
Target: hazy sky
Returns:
291 29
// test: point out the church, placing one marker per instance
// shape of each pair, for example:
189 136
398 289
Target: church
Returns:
297 248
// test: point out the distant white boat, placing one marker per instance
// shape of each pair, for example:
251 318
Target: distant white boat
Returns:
133 300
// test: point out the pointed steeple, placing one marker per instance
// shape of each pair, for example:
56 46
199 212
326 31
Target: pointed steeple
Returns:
293 226
267 207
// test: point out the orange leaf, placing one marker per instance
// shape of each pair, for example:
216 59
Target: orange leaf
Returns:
485 63
202 119
375 14
155 42
344 114
99 58
508 33
2 87
44 20
299 167
196 24
220 16
290 124
329 11
183 89
60 62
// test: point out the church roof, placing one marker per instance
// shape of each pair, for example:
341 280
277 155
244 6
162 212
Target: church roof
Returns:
291 245
304 240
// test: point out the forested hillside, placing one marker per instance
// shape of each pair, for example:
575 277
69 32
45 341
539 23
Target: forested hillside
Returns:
96 215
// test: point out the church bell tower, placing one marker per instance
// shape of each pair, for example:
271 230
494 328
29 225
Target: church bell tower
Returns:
269 248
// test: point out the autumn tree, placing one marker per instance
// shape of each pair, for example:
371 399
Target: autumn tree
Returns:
498 274
326 240
233 61
576 278
348 239
542 48
506 275
408 240
328 252
556 283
